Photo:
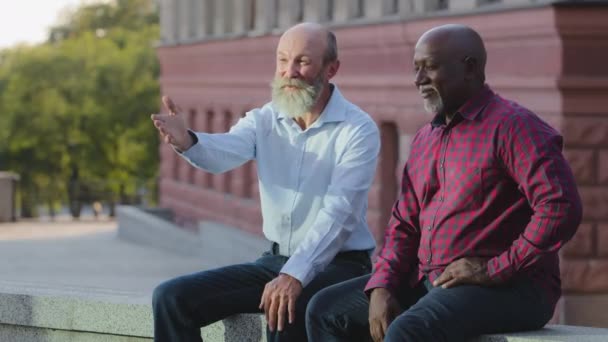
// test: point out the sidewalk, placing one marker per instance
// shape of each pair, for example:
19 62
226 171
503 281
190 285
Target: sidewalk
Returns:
85 254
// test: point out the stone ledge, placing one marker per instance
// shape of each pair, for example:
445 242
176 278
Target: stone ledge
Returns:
33 313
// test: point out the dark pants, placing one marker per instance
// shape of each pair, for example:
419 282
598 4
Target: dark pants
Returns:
184 304
340 312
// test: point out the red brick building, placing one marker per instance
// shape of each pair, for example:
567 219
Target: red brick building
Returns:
217 60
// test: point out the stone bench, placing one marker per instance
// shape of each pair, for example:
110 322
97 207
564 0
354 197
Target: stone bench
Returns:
31 313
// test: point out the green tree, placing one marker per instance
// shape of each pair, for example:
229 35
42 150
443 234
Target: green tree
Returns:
74 108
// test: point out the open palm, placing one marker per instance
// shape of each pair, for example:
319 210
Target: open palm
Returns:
172 127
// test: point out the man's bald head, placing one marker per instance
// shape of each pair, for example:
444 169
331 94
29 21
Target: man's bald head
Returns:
317 33
449 61
458 41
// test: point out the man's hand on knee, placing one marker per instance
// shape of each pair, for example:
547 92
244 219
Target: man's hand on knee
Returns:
473 271
383 308
279 299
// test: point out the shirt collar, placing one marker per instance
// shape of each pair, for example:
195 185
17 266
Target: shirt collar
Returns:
334 111
471 108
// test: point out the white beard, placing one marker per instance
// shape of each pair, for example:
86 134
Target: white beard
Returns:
434 104
296 102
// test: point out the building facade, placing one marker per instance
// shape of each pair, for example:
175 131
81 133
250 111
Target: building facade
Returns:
217 60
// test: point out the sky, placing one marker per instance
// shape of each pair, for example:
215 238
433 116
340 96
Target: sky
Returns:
27 21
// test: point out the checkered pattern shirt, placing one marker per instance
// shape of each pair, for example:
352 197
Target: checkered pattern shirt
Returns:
492 183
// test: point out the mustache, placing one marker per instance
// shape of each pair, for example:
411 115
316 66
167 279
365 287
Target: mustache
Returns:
294 82
423 89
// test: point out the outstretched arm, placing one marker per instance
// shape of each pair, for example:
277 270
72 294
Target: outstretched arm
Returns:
215 153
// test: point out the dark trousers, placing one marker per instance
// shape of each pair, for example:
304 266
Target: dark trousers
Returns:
183 305
340 312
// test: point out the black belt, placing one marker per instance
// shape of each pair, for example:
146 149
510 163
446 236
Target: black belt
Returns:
355 255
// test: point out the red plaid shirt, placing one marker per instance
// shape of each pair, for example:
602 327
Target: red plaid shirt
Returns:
492 183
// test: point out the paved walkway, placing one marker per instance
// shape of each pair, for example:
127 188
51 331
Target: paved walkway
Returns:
86 254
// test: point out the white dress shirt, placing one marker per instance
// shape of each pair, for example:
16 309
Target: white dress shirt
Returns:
313 183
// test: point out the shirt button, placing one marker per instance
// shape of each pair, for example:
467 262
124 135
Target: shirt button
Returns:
428 260
429 227
441 198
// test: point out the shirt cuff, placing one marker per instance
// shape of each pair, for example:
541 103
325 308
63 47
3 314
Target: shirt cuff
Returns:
194 142
499 272
302 271
378 281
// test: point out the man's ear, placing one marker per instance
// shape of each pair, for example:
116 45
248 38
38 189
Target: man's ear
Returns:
471 67
332 69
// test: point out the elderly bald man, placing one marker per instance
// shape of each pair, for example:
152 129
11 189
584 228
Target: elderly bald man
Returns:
316 155
486 202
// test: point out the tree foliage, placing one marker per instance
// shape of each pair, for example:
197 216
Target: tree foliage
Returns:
77 105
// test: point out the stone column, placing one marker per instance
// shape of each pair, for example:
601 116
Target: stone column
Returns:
196 7
316 11
183 19
242 15
265 16
345 10
517 2
424 6
167 21
290 12
388 7
462 5
218 17
222 17
199 18
206 15
376 9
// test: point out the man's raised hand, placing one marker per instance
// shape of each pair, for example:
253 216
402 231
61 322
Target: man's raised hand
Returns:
172 127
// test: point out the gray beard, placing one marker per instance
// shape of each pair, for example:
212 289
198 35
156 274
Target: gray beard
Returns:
297 102
433 105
